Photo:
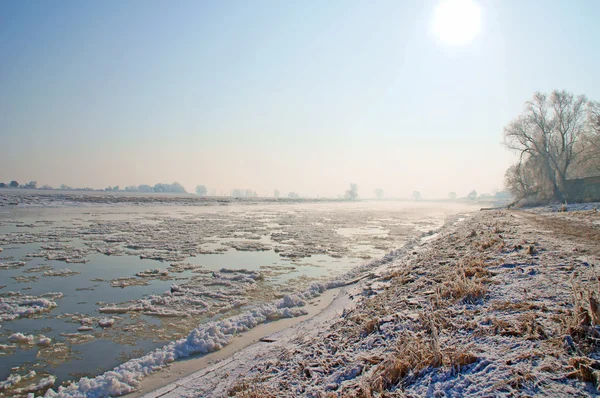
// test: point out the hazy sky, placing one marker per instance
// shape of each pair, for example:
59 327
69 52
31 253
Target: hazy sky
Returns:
302 96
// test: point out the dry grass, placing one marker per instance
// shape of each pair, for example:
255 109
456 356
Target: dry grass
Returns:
520 306
530 328
580 323
531 250
463 288
585 369
250 388
474 267
520 378
487 243
414 352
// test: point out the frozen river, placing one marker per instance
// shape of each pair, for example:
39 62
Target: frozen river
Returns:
85 288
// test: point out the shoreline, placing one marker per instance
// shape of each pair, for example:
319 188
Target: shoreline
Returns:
124 379
154 384
485 308
167 382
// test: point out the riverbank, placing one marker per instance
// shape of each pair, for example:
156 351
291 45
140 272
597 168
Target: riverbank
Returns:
502 304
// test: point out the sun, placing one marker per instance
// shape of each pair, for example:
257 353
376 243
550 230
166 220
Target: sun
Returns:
457 22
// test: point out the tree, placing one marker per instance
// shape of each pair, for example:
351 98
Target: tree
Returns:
472 195
352 193
3 185
293 195
590 146
201 190
46 186
379 193
276 194
550 131
452 196
416 195
14 184
31 185
64 186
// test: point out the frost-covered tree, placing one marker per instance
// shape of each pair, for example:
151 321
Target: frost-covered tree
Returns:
550 130
416 195
276 194
201 190
452 196
14 184
472 195
293 195
352 193
379 193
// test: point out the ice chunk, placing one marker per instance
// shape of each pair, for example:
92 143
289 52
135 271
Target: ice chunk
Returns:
44 341
106 322
16 306
21 338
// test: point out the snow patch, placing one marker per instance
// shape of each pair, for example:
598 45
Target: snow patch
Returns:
17 306
21 338
206 338
106 322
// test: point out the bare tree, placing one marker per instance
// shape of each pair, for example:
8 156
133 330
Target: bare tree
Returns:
201 190
352 193
549 130
590 146
521 181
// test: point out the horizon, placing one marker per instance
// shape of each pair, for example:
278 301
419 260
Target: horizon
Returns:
305 98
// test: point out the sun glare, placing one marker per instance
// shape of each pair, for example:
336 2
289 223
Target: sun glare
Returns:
457 22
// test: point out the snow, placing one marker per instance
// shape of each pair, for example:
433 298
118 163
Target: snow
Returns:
204 339
14 379
106 322
44 341
153 273
60 272
40 385
21 338
18 306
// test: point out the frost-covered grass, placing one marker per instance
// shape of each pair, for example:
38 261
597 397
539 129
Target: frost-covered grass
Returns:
475 312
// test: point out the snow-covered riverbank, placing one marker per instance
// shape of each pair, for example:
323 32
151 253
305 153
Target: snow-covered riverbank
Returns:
502 304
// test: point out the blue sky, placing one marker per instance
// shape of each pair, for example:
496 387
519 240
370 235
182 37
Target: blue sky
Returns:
301 96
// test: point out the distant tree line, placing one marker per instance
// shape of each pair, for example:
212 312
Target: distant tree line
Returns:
169 188
243 193
557 138
157 188
15 184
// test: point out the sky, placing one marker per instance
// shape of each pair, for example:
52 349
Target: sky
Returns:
306 96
